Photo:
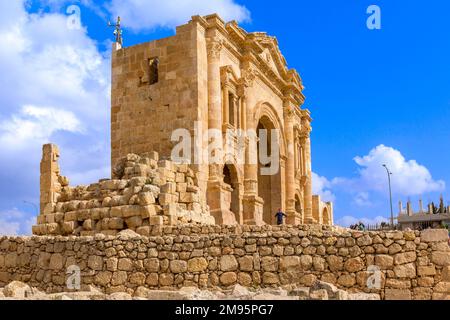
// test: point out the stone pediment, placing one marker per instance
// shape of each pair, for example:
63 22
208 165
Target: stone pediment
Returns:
271 54
268 58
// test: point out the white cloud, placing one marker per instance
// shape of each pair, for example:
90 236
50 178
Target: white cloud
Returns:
55 87
409 178
15 222
322 186
37 125
149 14
346 221
362 199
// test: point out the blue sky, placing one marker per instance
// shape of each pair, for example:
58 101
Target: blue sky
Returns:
376 96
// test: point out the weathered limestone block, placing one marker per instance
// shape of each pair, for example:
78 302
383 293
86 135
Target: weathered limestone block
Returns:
442 287
289 263
228 263
335 263
398 284
167 198
426 270
422 293
178 266
137 278
405 271
131 210
152 265
56 262
245 262
433 235
70 216
133 222
111 264
384 261
347 280
166 279
446 273
441 258
170 187
115 224
405 257
125 264
425 281
17 289
269 263
146 198
103 278
354 265
197 264
95 263
119 278
270 278
156 221
228 278
397 294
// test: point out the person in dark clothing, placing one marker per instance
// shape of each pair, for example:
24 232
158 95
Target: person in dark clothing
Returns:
279 215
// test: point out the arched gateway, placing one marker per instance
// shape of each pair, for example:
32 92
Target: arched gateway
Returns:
231 80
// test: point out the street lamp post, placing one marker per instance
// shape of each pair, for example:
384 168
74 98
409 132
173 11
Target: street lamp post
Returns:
389 173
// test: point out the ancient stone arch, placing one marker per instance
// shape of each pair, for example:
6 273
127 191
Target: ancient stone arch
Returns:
233 178
265 109
299 204
326 216
270 187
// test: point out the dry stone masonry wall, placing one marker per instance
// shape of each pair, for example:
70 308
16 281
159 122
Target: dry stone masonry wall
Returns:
411 264
144 191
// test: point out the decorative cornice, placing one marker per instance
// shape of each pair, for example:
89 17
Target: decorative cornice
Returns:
200 20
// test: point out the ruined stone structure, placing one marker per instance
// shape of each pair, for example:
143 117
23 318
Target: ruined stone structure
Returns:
394 264
144 191
433 217
212 75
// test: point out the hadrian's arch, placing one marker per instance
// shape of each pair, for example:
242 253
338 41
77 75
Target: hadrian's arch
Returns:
270 187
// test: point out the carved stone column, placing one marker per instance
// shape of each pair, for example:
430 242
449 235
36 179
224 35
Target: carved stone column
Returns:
292 216
226 102
215 193
50 186
252 203
306 143
214 47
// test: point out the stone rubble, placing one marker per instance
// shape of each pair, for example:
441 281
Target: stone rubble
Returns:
17 290
143 192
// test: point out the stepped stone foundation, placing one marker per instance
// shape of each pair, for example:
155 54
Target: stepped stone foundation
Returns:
409 265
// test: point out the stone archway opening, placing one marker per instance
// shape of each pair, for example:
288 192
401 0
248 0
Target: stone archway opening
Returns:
232 190
325 216
298 205
269 186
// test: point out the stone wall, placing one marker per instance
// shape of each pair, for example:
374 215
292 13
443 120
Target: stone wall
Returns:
412 264
144 191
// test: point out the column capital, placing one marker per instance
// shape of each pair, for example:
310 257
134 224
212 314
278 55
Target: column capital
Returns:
214 48
246 81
